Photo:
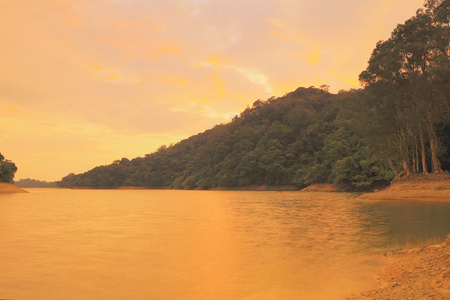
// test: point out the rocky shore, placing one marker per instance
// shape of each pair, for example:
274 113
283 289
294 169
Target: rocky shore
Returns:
421 273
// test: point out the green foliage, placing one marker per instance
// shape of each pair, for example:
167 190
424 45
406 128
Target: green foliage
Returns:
7 170
296 139
407 91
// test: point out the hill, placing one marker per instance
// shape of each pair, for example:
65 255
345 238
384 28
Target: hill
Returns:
298 139
397 125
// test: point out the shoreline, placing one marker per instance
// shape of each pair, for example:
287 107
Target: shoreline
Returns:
426 187
419 273
8 188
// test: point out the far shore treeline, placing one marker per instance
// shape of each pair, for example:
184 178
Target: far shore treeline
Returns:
33 183
398 124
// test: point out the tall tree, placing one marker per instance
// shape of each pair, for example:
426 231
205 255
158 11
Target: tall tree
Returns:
407 80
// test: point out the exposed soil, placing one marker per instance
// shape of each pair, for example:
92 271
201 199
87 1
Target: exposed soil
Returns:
421 273
10 188
424 187
322 187
258 188
134 188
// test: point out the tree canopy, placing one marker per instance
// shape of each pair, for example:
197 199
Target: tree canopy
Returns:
297 139
7 170
407 91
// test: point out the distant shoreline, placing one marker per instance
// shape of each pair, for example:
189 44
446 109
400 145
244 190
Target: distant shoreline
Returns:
424 187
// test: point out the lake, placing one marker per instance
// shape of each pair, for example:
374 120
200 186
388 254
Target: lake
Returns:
169 244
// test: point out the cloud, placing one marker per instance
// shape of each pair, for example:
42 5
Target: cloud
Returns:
115 71
37 140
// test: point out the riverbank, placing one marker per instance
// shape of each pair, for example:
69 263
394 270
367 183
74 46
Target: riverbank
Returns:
424 187
420 273
278 188
10 188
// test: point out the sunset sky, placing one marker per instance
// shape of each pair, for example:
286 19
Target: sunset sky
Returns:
86 82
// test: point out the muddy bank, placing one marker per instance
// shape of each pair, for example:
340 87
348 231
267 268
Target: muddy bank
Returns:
429 187
421 273
10 188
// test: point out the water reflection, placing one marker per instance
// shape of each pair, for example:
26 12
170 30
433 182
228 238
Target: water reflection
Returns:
62 244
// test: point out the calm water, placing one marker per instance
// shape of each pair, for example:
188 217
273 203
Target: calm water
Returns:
104 244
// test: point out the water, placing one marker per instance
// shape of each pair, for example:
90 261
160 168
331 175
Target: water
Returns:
142 244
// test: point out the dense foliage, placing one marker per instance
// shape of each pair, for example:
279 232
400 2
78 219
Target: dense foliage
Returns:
7 170
298 139
406 100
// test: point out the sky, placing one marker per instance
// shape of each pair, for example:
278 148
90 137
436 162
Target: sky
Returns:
87 82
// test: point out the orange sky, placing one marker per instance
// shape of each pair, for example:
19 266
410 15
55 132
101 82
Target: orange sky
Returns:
86 82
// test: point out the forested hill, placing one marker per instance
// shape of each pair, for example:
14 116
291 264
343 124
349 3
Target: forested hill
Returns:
297 139
397 125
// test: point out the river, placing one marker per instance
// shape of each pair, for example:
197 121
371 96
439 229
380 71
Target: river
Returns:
168 244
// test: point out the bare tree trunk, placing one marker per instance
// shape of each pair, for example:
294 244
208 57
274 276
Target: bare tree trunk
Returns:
405 154
422 146
435 163
416 157
394 169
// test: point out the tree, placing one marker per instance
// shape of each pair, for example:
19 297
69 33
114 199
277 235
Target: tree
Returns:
406 87
7 170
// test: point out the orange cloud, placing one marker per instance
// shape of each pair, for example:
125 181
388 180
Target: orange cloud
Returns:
164 49
173 80
94 67
217 62
86 71
315 56
218 85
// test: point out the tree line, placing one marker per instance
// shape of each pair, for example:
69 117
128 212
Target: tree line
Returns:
406 96
34 183
397 124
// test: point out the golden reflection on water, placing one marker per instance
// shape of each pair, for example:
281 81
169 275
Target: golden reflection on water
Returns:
94 244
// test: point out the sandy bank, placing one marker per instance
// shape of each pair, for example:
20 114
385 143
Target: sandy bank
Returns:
10 188
322 187
258 188
419 187
131 188
421 273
